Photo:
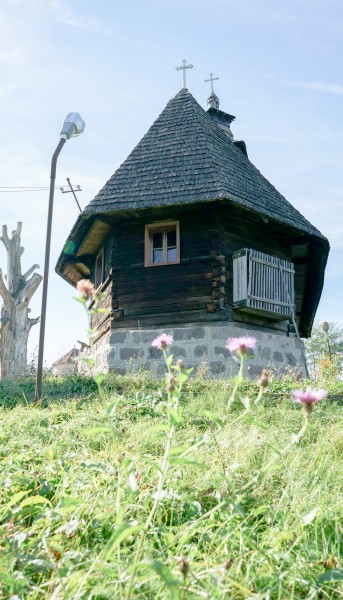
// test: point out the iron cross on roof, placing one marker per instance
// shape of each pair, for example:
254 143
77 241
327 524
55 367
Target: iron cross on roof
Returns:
183 69
212 79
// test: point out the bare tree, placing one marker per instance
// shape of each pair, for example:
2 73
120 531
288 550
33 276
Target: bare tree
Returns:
15 323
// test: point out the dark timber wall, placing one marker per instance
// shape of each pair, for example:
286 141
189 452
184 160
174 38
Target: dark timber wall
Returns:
198 289
165 293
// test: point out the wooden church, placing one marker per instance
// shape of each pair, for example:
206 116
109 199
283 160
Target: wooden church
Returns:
188 238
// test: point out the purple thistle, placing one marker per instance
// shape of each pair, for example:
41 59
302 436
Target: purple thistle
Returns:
309 396
162 341
241 344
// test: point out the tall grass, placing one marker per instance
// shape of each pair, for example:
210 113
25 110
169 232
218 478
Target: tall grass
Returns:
140 492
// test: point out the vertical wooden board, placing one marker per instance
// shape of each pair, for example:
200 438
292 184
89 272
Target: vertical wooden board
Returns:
240 278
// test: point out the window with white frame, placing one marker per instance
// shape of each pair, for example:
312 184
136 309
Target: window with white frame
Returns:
162 244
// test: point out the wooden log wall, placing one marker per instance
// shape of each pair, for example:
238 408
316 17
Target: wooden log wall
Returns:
164 293
200 288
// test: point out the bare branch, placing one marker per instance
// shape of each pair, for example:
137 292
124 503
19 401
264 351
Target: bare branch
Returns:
34 321
4 238
4 293
29 272
29 288
17 232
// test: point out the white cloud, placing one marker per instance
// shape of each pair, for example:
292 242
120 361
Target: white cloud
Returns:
316 86
65 15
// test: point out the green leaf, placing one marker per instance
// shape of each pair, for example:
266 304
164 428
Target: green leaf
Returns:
80 299
117 537
111 408
33 500
213 417
169 359
174 417
168 578
99 379
16 498
331 575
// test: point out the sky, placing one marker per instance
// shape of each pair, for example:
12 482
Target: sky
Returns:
280 73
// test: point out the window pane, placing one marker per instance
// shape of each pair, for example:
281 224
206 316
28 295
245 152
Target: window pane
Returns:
171 253
171 239
157 256
157 240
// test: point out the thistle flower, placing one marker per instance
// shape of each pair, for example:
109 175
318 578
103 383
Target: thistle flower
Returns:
241 344
228 564
180 364
171 382
183 564
308 398
263 381
86 288
162 341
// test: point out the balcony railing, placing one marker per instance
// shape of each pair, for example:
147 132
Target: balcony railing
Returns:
263 284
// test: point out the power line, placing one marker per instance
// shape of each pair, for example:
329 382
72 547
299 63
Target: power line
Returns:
18 189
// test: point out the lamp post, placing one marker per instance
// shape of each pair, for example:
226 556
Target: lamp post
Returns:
73 125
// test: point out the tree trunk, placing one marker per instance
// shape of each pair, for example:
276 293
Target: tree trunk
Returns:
15 322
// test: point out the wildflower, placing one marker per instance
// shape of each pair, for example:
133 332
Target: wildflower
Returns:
86 288
171 382
183 565
308 398
162 341
180 364
241 344
263 381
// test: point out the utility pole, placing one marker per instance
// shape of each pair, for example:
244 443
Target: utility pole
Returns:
72 189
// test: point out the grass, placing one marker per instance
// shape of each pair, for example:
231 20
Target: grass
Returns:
79 478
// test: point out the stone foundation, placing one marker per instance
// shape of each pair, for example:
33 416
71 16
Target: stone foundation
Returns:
201 346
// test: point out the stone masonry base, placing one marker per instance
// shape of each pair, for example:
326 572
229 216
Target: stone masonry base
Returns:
201 346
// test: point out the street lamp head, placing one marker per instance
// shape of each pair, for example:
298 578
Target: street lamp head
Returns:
73 125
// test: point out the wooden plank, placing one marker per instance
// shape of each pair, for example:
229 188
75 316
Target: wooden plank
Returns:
163 273
165 300
168 320
153 295
165 308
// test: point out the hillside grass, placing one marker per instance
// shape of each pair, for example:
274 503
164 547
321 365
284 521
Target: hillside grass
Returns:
79 476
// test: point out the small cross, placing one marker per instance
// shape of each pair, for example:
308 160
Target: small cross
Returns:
212 79
183 68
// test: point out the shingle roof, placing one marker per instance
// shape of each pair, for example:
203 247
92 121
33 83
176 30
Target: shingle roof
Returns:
185 157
